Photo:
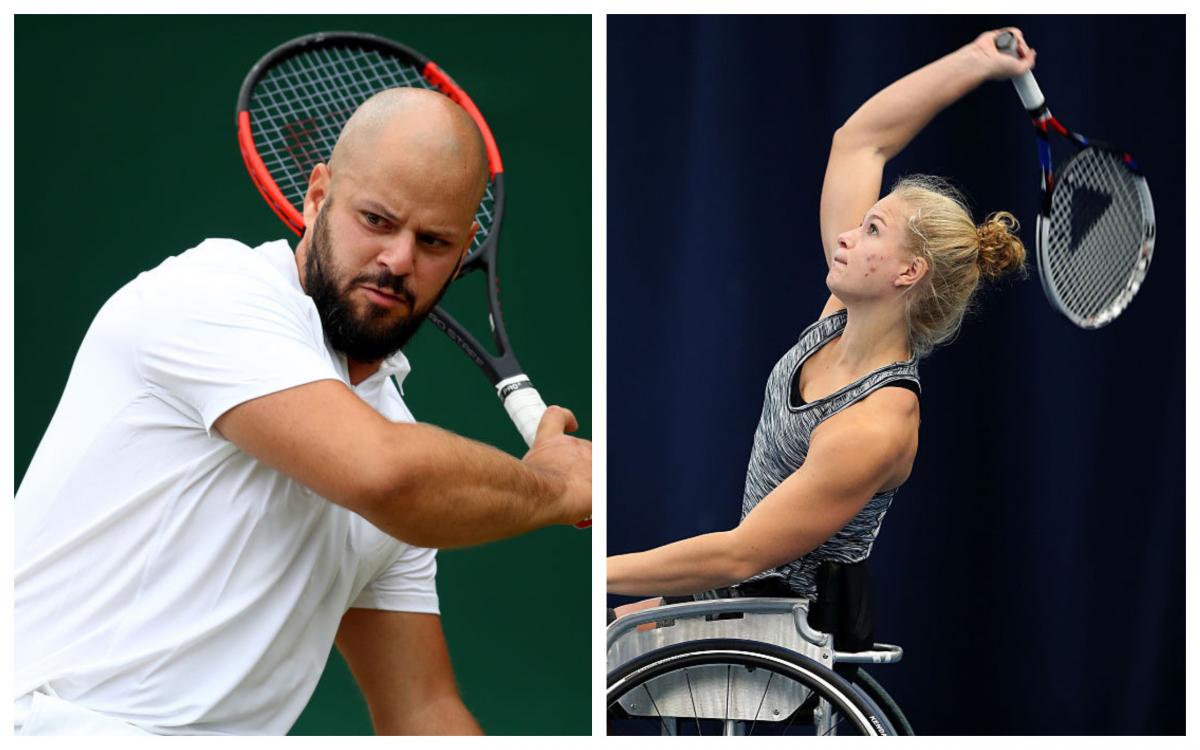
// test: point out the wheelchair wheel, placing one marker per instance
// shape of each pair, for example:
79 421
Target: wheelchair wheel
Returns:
732 686
875 692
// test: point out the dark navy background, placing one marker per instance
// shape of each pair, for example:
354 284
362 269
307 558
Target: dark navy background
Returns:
1033 565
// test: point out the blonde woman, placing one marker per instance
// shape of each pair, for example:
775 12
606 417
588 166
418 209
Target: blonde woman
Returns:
838 432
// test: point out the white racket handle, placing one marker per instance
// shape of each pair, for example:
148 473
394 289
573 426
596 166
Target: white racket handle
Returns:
1027 88
525 407
523 404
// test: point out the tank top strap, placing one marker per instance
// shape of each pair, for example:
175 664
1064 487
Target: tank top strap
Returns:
870 383
819 332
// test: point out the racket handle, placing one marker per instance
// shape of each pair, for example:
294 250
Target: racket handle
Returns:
1027 88
523 404
525 407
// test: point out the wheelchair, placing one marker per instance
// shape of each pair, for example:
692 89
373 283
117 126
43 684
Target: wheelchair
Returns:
750 665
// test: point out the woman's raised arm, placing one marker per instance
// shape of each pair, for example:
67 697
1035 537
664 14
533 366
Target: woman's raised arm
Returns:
884 125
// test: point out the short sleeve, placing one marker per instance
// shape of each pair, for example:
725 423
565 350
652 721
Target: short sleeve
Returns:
214 335
406 585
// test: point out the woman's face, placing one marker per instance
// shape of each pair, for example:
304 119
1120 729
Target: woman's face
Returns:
871 260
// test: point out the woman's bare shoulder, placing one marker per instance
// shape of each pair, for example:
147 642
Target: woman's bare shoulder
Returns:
872 442
887 418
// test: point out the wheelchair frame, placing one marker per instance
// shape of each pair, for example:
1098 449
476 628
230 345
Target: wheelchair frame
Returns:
744 697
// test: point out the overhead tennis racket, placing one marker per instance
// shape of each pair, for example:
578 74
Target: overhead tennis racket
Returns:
291 109
1095 227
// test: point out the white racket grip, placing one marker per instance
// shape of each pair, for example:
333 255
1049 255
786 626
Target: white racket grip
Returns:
525 407
1027 89
523 404
1026 85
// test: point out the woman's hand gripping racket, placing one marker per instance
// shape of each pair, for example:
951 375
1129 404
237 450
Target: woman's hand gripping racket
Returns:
291 109
1095 228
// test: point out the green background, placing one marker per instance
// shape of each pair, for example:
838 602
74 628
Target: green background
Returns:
125 153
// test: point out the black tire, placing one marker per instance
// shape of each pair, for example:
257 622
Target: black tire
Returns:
883 700
853 714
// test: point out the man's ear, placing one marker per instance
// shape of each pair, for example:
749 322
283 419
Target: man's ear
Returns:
318 192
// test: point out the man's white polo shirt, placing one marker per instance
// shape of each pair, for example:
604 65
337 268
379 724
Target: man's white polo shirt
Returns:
164 577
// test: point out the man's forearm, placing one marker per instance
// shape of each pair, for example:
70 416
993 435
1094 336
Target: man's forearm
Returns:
419 483
446 716
894 116
685 567
442 490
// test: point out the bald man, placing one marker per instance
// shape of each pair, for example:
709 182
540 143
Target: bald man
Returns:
230 484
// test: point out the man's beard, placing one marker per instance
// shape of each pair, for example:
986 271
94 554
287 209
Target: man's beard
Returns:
367 338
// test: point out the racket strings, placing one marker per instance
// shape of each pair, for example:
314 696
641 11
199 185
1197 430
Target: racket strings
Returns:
1100 220
299 107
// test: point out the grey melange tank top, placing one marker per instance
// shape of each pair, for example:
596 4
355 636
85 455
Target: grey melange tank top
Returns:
781 444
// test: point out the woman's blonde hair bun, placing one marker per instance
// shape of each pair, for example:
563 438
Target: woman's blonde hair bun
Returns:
942 231
1000 250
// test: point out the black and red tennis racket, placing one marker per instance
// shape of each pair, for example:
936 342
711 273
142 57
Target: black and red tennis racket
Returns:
291 109
1095 227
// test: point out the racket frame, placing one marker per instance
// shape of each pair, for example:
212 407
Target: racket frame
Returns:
1044 122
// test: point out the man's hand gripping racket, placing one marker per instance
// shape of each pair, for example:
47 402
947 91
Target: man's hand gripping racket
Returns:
291 109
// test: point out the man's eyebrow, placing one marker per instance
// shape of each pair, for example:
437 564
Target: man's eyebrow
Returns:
447 232
442 231
376 207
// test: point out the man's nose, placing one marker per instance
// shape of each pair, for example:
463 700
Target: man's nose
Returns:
398 255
